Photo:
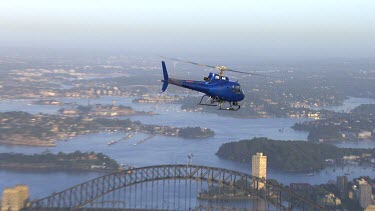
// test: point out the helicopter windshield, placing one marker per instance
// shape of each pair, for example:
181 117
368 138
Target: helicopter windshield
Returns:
237 89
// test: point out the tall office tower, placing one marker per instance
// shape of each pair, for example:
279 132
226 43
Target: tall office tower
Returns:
15 198
259 169
365 194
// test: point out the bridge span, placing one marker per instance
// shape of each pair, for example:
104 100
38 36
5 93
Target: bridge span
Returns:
176 187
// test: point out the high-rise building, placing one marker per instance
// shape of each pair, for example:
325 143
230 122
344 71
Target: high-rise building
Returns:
259 168
14 198
342 186
364 194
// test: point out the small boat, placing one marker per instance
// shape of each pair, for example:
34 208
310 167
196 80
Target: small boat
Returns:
110 143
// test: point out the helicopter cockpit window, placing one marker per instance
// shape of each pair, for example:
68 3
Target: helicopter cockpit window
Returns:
223 78
217 77
237 89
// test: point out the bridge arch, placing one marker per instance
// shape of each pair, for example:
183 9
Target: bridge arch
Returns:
82 194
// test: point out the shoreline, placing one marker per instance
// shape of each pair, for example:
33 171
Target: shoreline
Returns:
337 141
16 143
48 169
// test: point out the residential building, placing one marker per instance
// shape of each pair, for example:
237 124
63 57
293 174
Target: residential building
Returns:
303 187
364 134
370 207
330 200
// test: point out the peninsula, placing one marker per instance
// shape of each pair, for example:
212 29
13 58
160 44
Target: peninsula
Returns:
21 128
72 161
294 156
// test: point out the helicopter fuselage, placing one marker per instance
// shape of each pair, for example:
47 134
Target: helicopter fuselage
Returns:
221 89
216 86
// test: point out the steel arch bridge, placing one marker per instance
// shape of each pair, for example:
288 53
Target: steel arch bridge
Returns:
87 195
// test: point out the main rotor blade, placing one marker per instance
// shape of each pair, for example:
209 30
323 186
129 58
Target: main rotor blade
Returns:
189 62
216 67
236 71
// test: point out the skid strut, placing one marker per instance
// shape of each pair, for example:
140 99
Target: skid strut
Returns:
212 103
215 101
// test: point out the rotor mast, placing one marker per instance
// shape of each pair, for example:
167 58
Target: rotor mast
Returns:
221 69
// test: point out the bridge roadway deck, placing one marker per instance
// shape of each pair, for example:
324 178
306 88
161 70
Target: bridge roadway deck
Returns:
200 208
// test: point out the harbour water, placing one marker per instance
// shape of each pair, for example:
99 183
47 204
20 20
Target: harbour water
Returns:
349 104
164 150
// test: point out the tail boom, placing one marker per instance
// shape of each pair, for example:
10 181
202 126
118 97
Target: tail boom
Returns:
189 84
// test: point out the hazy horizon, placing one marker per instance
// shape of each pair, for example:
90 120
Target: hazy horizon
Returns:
269 29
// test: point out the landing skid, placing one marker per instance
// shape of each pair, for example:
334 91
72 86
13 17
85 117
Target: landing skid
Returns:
233 106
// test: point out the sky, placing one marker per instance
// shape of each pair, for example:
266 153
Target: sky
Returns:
270 28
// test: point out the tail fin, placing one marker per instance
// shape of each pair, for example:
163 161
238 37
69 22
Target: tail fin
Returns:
166 78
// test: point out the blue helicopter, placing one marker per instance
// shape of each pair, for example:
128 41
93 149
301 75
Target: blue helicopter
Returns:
216 87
